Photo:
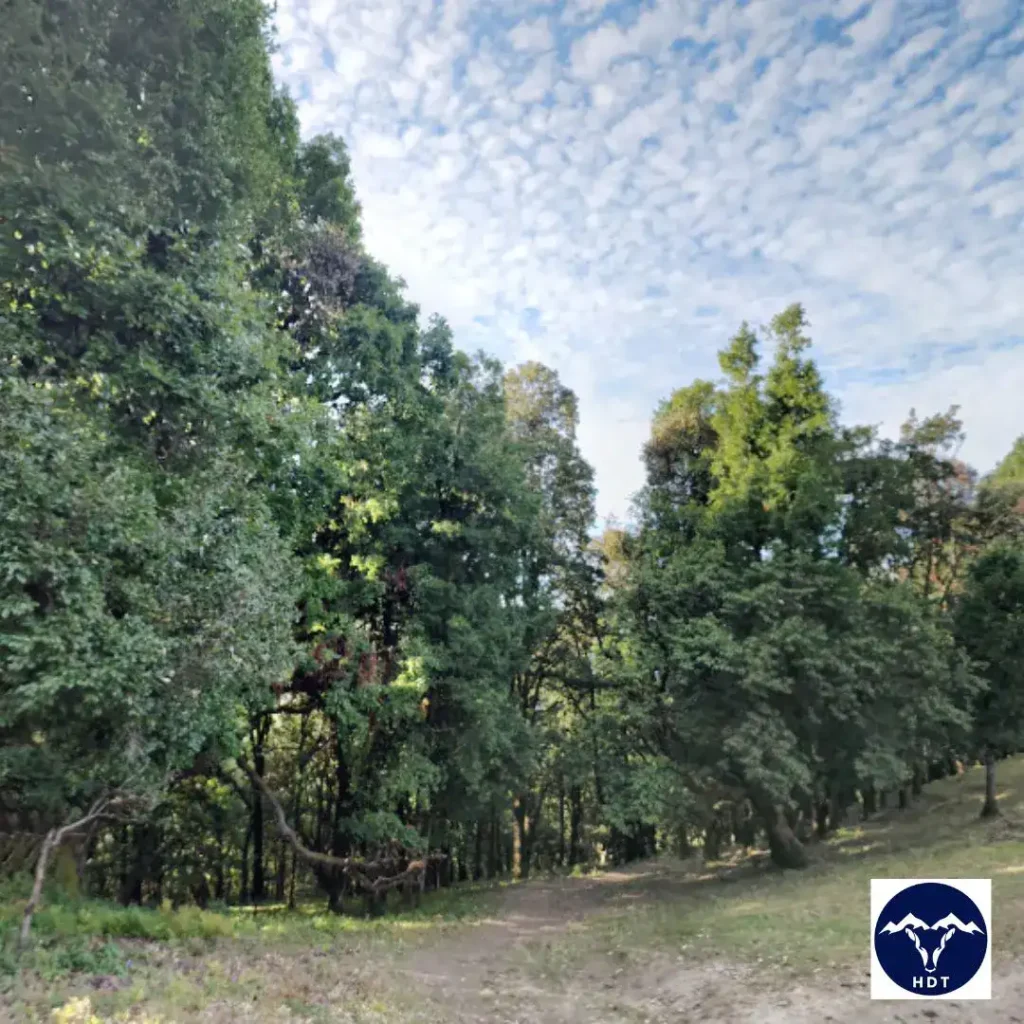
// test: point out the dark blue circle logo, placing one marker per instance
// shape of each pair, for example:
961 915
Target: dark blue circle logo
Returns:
930 939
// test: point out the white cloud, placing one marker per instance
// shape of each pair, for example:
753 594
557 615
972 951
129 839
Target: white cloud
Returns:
532 35
986 387
645 199
874 27
986 10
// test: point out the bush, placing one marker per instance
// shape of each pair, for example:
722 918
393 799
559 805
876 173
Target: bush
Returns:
79 956
98 918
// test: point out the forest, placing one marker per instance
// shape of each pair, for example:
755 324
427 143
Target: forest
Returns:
300 601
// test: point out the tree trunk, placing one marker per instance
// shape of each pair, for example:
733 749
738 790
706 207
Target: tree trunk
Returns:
575 820
478 852
82 848
747 835
296 815
838 803
650 841
518 814
375 904
822 823
561 821
870 795
320 812
712 842
244 893
282 870
683 848
493 848
904 798
218 874
37 886
990 809
341 841
291 881
805 823
786 850
259 882
53 840
141 866
531 826
917 781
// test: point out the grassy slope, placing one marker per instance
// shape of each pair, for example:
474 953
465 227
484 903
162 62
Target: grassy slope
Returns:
310 966
815 920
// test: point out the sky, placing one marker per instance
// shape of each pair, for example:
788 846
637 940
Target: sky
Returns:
613 188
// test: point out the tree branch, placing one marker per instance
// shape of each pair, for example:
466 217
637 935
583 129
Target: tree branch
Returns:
104 807
359 871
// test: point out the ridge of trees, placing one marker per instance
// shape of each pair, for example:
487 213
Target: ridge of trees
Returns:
316 595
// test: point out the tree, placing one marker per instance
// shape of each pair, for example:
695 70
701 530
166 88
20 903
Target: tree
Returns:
990 626
1000 498
1010 471
768 667
556 595
148 590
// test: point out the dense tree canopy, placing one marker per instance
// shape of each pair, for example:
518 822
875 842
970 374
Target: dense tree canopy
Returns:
296 595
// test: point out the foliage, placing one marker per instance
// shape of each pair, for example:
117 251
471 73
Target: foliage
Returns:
764 661
990 626
259 515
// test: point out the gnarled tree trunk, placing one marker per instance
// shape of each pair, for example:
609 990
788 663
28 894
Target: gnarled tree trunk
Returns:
51 843
786 850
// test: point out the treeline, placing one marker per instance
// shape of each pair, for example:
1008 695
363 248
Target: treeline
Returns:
293 593
815 617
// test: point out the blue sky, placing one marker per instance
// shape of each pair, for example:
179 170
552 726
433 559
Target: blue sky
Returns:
612 188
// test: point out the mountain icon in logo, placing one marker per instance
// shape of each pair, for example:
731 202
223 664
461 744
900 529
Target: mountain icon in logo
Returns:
949 921
929 939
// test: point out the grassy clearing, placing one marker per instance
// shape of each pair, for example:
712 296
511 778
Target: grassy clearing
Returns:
662 921
269 963
803 923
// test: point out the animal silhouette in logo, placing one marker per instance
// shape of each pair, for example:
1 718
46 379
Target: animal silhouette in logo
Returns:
948 926
930 939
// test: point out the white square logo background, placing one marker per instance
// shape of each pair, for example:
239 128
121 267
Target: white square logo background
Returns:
977 889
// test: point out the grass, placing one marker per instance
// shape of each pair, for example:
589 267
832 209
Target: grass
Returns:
178 961
817 920
59 917
664 919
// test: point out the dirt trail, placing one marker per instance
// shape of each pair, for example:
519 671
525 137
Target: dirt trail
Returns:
491 972
481 973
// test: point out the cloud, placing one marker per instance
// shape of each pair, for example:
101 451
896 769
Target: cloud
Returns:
986 386
874 28
645 177
532 35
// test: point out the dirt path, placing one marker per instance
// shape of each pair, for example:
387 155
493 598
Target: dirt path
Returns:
483 973
495 971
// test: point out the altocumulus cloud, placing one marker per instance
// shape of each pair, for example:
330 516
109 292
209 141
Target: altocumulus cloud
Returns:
612 188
